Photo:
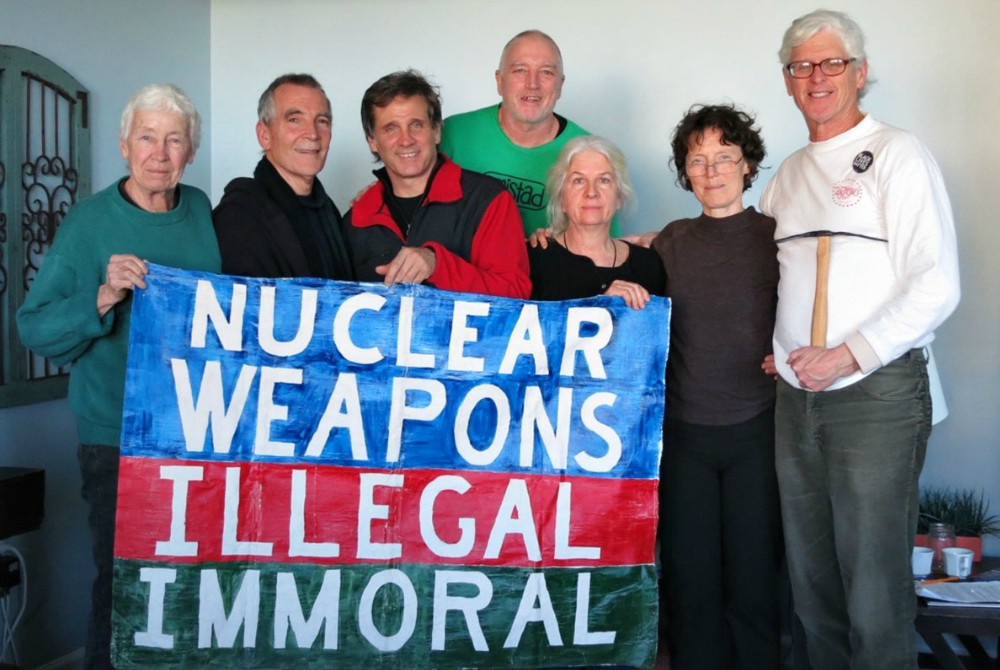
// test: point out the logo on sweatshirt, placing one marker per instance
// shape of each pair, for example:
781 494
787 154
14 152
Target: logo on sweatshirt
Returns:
528 194
847 192
863 161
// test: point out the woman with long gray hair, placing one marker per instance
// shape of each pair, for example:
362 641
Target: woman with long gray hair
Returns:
589 184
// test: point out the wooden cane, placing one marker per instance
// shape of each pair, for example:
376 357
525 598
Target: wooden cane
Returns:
818 337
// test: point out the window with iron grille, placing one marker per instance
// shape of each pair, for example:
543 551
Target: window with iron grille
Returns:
44 170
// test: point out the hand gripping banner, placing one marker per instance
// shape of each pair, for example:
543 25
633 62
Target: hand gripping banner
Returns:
339 475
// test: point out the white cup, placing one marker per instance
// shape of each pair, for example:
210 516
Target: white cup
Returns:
921 560
957 561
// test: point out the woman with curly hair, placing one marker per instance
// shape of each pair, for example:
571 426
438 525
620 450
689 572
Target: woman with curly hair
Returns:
720 521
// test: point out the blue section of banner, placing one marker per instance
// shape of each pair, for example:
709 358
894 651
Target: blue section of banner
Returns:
230 368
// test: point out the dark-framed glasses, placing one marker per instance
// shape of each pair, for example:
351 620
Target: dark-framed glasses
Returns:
831 67
725 164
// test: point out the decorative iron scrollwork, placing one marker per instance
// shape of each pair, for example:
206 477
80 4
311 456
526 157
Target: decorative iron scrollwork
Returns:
49 191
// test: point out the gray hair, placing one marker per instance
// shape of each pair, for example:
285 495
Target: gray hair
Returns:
556 183
163 97
840 24
265 106
531 33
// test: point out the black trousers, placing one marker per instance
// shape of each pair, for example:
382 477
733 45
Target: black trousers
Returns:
720 535
99 467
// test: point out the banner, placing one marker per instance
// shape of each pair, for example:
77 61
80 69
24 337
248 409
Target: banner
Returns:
339 475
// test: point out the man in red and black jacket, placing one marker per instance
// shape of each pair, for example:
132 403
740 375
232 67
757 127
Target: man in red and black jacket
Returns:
426 220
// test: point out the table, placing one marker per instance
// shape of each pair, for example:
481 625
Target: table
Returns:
968 623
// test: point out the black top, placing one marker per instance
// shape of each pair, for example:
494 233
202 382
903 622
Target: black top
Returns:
722 280
265 229
127 198
559 274
451 212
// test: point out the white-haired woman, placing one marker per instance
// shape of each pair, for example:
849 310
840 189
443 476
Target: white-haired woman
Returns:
589 183
78 307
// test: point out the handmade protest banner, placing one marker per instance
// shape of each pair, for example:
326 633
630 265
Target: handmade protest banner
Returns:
339 475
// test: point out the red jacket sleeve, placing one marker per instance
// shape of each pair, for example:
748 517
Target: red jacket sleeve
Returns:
499 263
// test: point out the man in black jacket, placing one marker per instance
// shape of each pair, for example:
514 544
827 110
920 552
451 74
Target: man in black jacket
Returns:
280 222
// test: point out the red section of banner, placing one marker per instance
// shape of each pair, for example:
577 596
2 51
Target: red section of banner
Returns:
196 511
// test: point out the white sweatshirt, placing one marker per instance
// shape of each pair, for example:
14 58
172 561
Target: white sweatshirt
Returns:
885 297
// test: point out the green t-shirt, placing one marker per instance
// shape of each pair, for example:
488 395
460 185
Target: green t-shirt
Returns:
475 141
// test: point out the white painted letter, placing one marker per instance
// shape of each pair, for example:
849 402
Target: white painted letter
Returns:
343 410
400 411
297 545
265 323
368 511
526 340
428 496
404 339
461 333
408 615
206 306
582 636
342 328
463 444
230 521
153 636
535 590
268 412
211 406
563 550
515 499
535 420
181 476
589 346
212 611
588 415
325 612
469 606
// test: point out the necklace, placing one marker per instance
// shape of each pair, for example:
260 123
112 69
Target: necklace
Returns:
614 247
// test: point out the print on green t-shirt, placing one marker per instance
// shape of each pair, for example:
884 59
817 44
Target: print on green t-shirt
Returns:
476 142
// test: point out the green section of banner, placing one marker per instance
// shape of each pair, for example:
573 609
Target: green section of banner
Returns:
231 615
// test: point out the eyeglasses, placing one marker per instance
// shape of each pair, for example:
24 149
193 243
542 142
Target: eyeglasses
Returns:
698 167
831 67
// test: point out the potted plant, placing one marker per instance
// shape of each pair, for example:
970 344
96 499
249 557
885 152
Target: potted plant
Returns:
935 505
965 509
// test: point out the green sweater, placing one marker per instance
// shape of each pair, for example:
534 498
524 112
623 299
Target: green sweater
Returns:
59 317
476 141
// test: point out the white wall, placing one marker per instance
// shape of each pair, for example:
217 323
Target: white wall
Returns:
112 47
632 68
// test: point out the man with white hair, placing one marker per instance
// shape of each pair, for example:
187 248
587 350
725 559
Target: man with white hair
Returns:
869 268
